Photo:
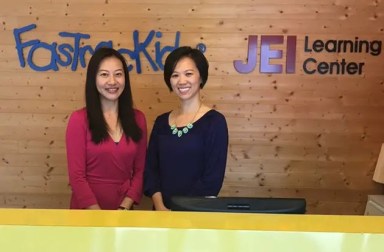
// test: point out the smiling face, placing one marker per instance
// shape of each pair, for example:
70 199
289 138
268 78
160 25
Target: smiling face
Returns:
110 79
185 79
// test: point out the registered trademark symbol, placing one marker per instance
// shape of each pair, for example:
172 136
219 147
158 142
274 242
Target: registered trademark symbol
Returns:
201 47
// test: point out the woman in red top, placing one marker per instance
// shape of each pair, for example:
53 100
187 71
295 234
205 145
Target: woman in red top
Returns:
106 140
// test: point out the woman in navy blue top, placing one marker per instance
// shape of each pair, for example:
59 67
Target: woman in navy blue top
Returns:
187 150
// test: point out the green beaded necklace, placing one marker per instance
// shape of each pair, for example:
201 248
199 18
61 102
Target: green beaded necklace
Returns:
185 130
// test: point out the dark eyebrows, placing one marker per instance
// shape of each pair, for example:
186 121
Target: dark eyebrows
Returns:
187 70
117 70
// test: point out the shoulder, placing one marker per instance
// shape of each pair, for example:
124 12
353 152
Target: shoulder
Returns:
163 117
216 122
78 115
217 126
215 115
139 115
140 119
77 121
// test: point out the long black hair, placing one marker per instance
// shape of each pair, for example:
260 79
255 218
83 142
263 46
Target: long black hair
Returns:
97 123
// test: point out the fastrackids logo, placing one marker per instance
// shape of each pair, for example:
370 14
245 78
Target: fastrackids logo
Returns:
311 65
72 54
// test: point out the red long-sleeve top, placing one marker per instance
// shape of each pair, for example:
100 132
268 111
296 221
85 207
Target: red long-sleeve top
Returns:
103 173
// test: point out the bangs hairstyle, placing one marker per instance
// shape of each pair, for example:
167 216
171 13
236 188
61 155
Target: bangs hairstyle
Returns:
126 115
185 51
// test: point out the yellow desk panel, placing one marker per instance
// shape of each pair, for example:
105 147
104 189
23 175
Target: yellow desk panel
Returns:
85 230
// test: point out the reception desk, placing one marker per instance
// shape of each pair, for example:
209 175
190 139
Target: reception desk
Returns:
147 231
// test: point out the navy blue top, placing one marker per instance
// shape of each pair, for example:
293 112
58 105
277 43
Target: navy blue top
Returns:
190 165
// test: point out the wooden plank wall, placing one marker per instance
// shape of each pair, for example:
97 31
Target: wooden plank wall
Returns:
291 135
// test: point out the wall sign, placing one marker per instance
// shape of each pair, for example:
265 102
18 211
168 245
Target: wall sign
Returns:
72 55
266 54
310 65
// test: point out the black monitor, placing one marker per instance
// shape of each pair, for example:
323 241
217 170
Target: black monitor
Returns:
239 205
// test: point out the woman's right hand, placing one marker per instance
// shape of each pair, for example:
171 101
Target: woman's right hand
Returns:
158 203
162 208
94 207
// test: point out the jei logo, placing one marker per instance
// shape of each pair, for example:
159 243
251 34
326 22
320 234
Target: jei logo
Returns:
266 54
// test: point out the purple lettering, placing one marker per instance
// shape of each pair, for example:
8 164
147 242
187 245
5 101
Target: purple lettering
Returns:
266 54
251 57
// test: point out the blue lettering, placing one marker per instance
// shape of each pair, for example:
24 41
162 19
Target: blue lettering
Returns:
161 51
51 65
130 54
20 46
65 50
77 37
141 47
74 54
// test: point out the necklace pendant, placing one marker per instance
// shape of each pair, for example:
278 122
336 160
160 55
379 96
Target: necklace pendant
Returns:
186 129
183 131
